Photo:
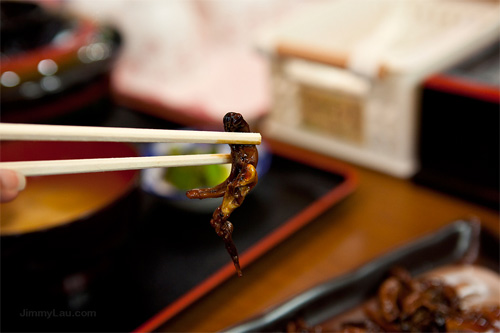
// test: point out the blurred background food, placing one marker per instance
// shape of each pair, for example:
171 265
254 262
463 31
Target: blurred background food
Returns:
185 178
354 298
172 183
53 200
407 89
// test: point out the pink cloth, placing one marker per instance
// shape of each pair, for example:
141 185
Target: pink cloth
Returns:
229 80
192 58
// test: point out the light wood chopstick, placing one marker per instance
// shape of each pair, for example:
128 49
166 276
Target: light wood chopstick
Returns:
35 132
59 167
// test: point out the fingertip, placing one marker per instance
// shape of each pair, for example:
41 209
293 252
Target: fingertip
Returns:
21 181
11 182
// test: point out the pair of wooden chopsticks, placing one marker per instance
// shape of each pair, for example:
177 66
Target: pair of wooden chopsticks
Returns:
29 132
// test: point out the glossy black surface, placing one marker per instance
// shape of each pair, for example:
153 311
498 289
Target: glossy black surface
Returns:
26 26
459 143
52 64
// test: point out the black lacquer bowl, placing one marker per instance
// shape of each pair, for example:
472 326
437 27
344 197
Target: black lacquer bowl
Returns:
51 64
60 235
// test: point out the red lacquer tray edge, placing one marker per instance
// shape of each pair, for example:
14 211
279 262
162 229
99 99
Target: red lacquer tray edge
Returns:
468 88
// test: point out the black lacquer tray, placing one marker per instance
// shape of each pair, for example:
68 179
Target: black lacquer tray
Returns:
459 241
173 257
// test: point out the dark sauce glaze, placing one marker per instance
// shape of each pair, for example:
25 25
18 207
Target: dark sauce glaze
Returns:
241 180
406 304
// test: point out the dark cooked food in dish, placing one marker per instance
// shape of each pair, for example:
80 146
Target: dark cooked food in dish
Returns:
456 299
241 180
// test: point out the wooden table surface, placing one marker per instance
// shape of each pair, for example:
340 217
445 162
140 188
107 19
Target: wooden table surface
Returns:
383 213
